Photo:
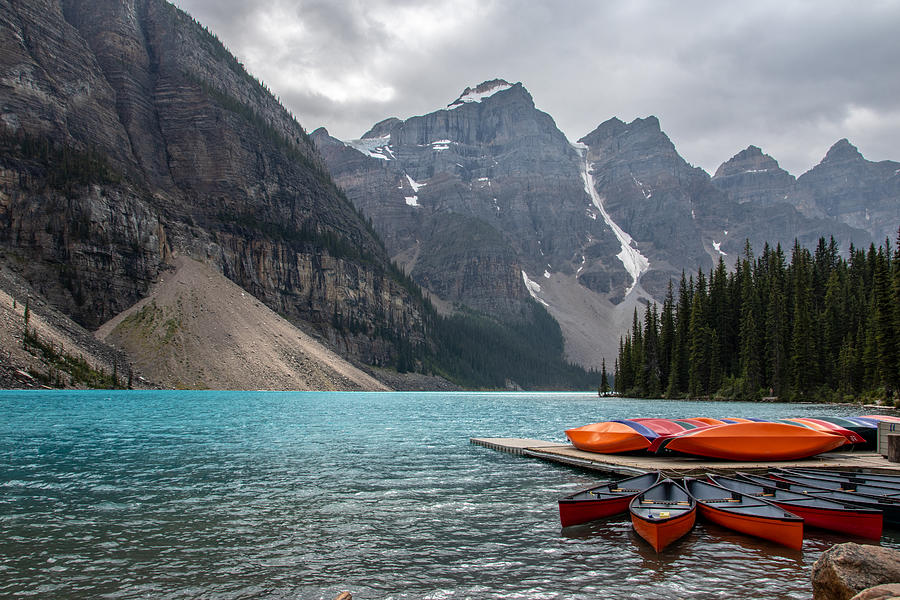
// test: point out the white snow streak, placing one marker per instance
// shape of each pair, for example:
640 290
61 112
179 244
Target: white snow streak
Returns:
414 184
412 200
581 268
534 288
647 195
635 263
718 247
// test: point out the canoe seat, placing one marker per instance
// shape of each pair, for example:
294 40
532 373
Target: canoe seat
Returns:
624 490
683 502
722 500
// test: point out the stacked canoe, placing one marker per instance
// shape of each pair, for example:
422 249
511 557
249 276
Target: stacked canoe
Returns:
774 507
729 438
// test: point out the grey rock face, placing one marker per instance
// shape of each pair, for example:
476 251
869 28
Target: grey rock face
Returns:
490 160
652 193
204 162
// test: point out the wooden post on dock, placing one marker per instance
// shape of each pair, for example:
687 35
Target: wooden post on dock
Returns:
893 447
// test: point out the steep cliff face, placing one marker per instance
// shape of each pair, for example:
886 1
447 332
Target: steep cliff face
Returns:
652 194
178 150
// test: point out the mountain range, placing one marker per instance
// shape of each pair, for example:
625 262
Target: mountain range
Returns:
486 200
130 138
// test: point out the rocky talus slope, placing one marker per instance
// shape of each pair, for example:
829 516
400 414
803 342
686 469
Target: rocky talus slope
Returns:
198 329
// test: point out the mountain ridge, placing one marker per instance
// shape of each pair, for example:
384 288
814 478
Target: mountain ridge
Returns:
648 204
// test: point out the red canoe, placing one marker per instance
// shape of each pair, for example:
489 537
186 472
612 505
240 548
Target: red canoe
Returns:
746 514
603 500
663 514
755 442
816 511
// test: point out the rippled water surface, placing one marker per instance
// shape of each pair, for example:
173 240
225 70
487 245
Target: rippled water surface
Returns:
304 495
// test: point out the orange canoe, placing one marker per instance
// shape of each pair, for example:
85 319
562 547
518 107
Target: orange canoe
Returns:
609 437
663 514
746 514
755 441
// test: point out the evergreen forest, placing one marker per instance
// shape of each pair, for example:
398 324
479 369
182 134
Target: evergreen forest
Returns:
817 327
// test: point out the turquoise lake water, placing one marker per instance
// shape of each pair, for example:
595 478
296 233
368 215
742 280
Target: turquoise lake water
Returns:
305 495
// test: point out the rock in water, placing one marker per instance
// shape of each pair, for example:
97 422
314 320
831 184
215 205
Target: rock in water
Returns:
887 591
847 569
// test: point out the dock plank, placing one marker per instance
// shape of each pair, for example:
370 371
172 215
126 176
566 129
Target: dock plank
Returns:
677 466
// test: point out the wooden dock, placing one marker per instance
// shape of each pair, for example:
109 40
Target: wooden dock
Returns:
677 466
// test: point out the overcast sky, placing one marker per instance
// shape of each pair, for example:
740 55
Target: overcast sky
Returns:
791 77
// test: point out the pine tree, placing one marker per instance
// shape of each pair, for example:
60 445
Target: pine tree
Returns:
698 372
882 319
803 367
652 370
776 326
666 336
604 379
832 324
751 360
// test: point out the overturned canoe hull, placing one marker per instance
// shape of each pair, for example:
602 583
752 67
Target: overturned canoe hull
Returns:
756 441
610 437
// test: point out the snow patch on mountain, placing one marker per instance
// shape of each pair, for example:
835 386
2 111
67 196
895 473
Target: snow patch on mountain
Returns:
379 147
635 263
533 287
477 94
414 184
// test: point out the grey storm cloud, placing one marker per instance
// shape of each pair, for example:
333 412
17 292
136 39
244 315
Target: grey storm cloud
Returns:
790 77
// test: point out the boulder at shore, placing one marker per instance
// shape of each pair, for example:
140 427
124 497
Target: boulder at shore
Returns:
888 591
845 570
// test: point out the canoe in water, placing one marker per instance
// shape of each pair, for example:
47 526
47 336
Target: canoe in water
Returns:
663 514
603 500
816 511
889 506
754 442
746 514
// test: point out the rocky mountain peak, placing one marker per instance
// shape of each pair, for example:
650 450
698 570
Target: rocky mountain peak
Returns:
753 176
644 132
751 161
484 90
842 151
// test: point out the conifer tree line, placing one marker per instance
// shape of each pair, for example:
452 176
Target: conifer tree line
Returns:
817 327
